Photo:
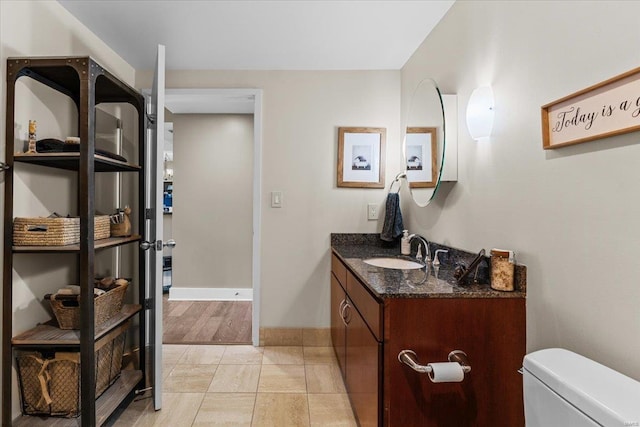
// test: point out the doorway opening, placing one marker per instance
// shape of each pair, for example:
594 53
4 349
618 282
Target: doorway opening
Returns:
226 311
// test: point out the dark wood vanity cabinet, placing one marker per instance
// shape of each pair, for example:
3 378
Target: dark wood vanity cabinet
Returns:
387 393
357 347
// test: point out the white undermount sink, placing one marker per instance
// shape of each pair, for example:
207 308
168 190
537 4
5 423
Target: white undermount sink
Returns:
394 263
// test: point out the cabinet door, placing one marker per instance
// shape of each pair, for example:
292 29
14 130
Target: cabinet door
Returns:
492 333
338 299
363 354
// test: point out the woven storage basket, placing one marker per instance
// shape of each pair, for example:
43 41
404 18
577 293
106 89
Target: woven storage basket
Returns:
105 306
101 227
29 367
64 385
121 230
55 231
50 383
116 358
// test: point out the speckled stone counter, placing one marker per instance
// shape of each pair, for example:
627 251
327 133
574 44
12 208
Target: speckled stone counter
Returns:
353 249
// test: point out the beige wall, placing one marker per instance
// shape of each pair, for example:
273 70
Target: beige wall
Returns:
44 28
51 31
302 111
213 188
570 214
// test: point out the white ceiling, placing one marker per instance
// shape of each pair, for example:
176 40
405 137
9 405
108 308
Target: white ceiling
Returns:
263 34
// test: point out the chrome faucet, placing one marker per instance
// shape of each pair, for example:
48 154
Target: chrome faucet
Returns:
436 261
427 254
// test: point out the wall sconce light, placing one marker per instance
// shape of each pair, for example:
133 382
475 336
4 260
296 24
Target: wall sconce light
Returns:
480 113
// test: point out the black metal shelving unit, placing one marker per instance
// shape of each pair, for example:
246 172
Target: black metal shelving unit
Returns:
87 84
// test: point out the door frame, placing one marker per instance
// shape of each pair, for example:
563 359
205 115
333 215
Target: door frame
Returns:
212 101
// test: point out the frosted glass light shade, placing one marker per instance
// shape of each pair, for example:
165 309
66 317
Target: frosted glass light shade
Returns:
480 113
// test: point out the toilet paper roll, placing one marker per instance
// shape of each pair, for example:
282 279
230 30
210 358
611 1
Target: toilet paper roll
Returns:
446 372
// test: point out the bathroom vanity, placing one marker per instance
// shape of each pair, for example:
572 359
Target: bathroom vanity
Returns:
378 312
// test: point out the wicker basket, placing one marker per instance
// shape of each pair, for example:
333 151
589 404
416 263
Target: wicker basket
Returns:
106 306
121 230
50 382
55 231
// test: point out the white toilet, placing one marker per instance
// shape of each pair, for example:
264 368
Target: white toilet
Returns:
564 389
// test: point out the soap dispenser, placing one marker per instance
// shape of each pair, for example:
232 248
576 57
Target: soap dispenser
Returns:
405 243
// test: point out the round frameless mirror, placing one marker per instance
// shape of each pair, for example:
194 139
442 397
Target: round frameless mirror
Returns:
424 142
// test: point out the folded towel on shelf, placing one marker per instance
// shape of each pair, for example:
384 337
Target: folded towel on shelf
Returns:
392 227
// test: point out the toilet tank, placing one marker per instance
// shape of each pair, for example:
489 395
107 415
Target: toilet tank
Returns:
562 388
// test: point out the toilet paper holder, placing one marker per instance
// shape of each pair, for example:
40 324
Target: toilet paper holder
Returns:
410 358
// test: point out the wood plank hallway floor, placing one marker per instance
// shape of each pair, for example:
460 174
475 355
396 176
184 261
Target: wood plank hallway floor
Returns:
206 322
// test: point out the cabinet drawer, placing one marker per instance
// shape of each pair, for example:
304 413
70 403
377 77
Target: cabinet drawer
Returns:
339 270
366 304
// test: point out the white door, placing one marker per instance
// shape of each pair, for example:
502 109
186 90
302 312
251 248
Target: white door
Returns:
153 243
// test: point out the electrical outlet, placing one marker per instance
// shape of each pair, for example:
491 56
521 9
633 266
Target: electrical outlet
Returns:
372 211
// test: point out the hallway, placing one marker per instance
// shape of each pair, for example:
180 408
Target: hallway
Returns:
206 322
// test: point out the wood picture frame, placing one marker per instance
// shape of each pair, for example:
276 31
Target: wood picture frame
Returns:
421 157
609 108
361 157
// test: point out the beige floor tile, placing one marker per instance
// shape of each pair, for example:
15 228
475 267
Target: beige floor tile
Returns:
226 409
319 355
236 379
202 355
166 369
282 379
330 410
169 364
324 379
242 355
178 410
171 353
309 392
189 378
281 409
281 355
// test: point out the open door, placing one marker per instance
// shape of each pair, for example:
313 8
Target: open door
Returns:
153 244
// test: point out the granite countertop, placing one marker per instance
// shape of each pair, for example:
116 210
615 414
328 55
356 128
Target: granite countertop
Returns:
419 283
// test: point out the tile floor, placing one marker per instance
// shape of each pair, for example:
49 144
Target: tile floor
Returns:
214 385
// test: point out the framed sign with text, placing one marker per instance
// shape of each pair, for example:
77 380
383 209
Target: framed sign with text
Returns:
605 109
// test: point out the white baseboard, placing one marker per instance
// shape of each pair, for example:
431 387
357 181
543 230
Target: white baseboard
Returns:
210 294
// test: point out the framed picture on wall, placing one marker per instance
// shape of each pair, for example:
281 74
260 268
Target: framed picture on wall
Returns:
421 149
361 159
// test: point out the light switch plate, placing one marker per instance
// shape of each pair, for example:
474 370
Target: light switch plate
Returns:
276 199
372 211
